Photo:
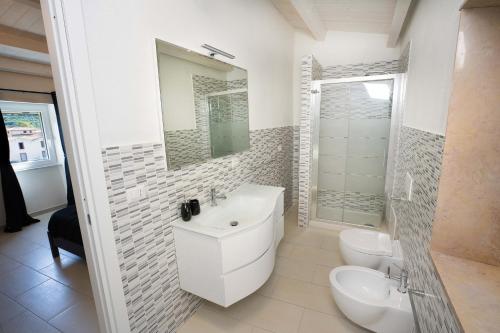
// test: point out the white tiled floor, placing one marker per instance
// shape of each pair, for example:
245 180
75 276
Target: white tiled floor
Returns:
40 294
295 299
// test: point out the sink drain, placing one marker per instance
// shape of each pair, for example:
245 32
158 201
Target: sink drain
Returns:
233 223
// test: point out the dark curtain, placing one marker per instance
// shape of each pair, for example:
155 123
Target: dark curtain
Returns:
69 186
15 207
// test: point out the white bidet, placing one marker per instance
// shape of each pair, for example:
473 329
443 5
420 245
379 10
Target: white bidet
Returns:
371 300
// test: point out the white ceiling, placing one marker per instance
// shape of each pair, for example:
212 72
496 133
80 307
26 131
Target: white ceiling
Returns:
374 16
23 15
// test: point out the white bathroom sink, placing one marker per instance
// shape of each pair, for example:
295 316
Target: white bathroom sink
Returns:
224 263
249 206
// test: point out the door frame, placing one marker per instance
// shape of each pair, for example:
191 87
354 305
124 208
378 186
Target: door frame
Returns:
66 38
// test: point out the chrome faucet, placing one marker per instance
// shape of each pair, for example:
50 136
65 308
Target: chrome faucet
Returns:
214 197
402 278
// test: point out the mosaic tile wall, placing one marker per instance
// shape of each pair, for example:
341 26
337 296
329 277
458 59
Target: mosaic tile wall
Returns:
420 155
184 147
364 202
193 145
375 68
310 66
310 70
350 100
295 168
143 234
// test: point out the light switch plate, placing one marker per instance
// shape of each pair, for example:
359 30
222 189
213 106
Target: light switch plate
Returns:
408 186
133 194
136 194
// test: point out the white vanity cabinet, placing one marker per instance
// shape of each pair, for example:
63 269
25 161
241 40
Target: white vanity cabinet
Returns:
224 263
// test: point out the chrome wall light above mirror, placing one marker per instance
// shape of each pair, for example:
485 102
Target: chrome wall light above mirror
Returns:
204 106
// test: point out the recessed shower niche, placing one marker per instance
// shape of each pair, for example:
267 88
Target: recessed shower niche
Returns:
204 106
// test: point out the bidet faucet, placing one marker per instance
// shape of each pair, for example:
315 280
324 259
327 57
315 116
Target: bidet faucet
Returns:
402 278
214 197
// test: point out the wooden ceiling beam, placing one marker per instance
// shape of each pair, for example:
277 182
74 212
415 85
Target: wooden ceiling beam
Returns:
307 12
398 20
22 39
24 67
32 3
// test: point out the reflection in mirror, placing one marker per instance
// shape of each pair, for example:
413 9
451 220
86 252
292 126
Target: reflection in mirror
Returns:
204 106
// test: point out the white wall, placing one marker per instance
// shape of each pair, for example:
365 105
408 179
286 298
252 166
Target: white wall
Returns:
433 31
43 188
122 52
338 48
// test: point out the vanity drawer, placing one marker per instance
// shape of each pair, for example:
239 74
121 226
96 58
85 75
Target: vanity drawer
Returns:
241 249
244 281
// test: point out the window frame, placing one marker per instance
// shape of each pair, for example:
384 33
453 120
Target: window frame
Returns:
53 145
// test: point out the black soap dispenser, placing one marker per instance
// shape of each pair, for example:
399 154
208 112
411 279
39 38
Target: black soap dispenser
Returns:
186 211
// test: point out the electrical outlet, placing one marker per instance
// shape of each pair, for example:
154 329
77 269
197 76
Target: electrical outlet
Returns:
408 186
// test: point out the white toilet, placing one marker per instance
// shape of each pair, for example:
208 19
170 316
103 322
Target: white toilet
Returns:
372 249
371 300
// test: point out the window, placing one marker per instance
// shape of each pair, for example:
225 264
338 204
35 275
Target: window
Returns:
33 134
27 130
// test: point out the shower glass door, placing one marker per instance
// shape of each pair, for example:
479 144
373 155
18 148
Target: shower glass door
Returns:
228 122
352 130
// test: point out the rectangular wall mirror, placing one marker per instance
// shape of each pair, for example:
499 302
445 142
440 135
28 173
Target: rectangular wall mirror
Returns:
204 106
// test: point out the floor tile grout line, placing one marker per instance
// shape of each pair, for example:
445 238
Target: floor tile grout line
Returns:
25 309
33 313
310 282
300 321
81 297
15 299
38 285
42 273
36 315
301 306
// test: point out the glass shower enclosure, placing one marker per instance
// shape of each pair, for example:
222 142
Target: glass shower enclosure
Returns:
228 122
351 134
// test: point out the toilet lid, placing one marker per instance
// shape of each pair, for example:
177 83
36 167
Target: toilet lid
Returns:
367 241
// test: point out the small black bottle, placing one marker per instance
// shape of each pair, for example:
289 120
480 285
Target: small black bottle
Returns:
195 206
185 211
